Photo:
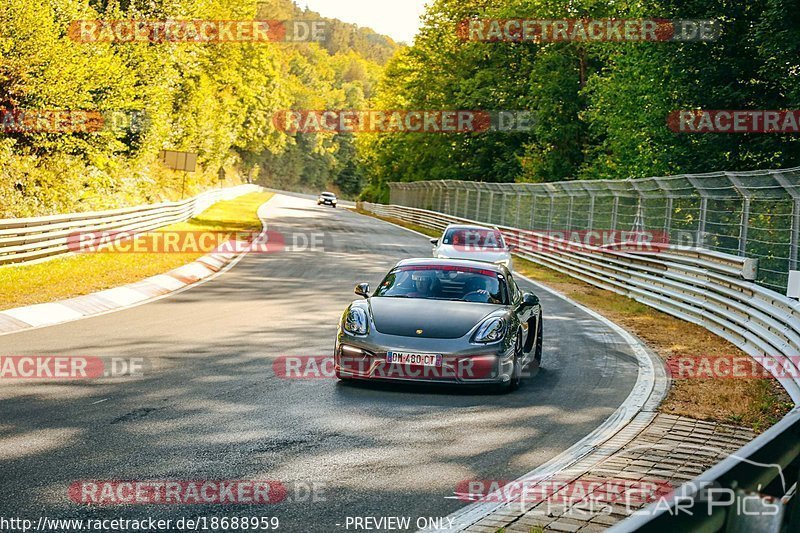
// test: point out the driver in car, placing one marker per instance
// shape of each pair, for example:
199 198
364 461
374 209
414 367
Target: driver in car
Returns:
423 285
477 289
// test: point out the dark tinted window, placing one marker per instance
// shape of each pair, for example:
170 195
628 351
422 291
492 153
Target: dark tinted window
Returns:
474 237
444 283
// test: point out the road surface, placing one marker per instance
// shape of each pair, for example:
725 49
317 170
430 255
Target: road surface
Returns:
209 405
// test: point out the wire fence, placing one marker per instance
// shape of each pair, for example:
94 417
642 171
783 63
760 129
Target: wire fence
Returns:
751 214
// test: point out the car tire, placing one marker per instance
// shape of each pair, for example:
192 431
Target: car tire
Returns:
516 371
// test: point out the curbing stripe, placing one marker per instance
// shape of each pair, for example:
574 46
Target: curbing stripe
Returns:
122 296
165 282
43 314
9 324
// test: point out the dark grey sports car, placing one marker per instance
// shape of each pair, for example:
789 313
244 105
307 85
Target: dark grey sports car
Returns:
441 320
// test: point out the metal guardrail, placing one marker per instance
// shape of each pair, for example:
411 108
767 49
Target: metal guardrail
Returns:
701 286
754 213
28 240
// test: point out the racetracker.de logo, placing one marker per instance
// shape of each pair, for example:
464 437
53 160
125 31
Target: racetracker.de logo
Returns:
179 242
734 367
166 492
197 31
68 367
586 30
563 490
734 121
559 241
401 121
22 120
379 367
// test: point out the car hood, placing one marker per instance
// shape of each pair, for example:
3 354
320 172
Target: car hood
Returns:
439 319
487 255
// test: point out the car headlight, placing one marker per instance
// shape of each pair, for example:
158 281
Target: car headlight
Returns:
493 329
356 322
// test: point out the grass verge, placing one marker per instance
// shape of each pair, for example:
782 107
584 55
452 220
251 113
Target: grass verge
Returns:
80 274
752 403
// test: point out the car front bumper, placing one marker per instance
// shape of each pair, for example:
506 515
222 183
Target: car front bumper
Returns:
366 358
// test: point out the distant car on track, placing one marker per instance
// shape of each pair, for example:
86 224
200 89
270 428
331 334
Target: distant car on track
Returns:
441 320
478 243
327 198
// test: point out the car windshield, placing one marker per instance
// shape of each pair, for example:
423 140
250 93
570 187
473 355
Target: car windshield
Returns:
444 283
474 237
329 195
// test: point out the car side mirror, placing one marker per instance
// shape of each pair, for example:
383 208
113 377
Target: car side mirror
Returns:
529 299
362 289
434 241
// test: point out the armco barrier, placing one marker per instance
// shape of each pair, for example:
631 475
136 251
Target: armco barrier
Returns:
707 288
26 240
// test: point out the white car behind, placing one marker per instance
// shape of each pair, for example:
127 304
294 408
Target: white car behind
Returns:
477 243
327 198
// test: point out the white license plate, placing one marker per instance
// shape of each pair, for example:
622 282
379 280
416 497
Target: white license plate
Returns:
420 359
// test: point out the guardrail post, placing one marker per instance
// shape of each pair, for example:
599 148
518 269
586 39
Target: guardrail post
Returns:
465 212
569 213
590 219
455 208
614 212
701 224
478 206
795 239
550 214
503 209
491 205
744 222
638 223
743 226
533 211
668 217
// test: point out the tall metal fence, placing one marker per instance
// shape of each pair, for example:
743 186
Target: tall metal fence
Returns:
750 214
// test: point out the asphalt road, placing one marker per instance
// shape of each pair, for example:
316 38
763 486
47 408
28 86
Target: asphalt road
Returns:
210 406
